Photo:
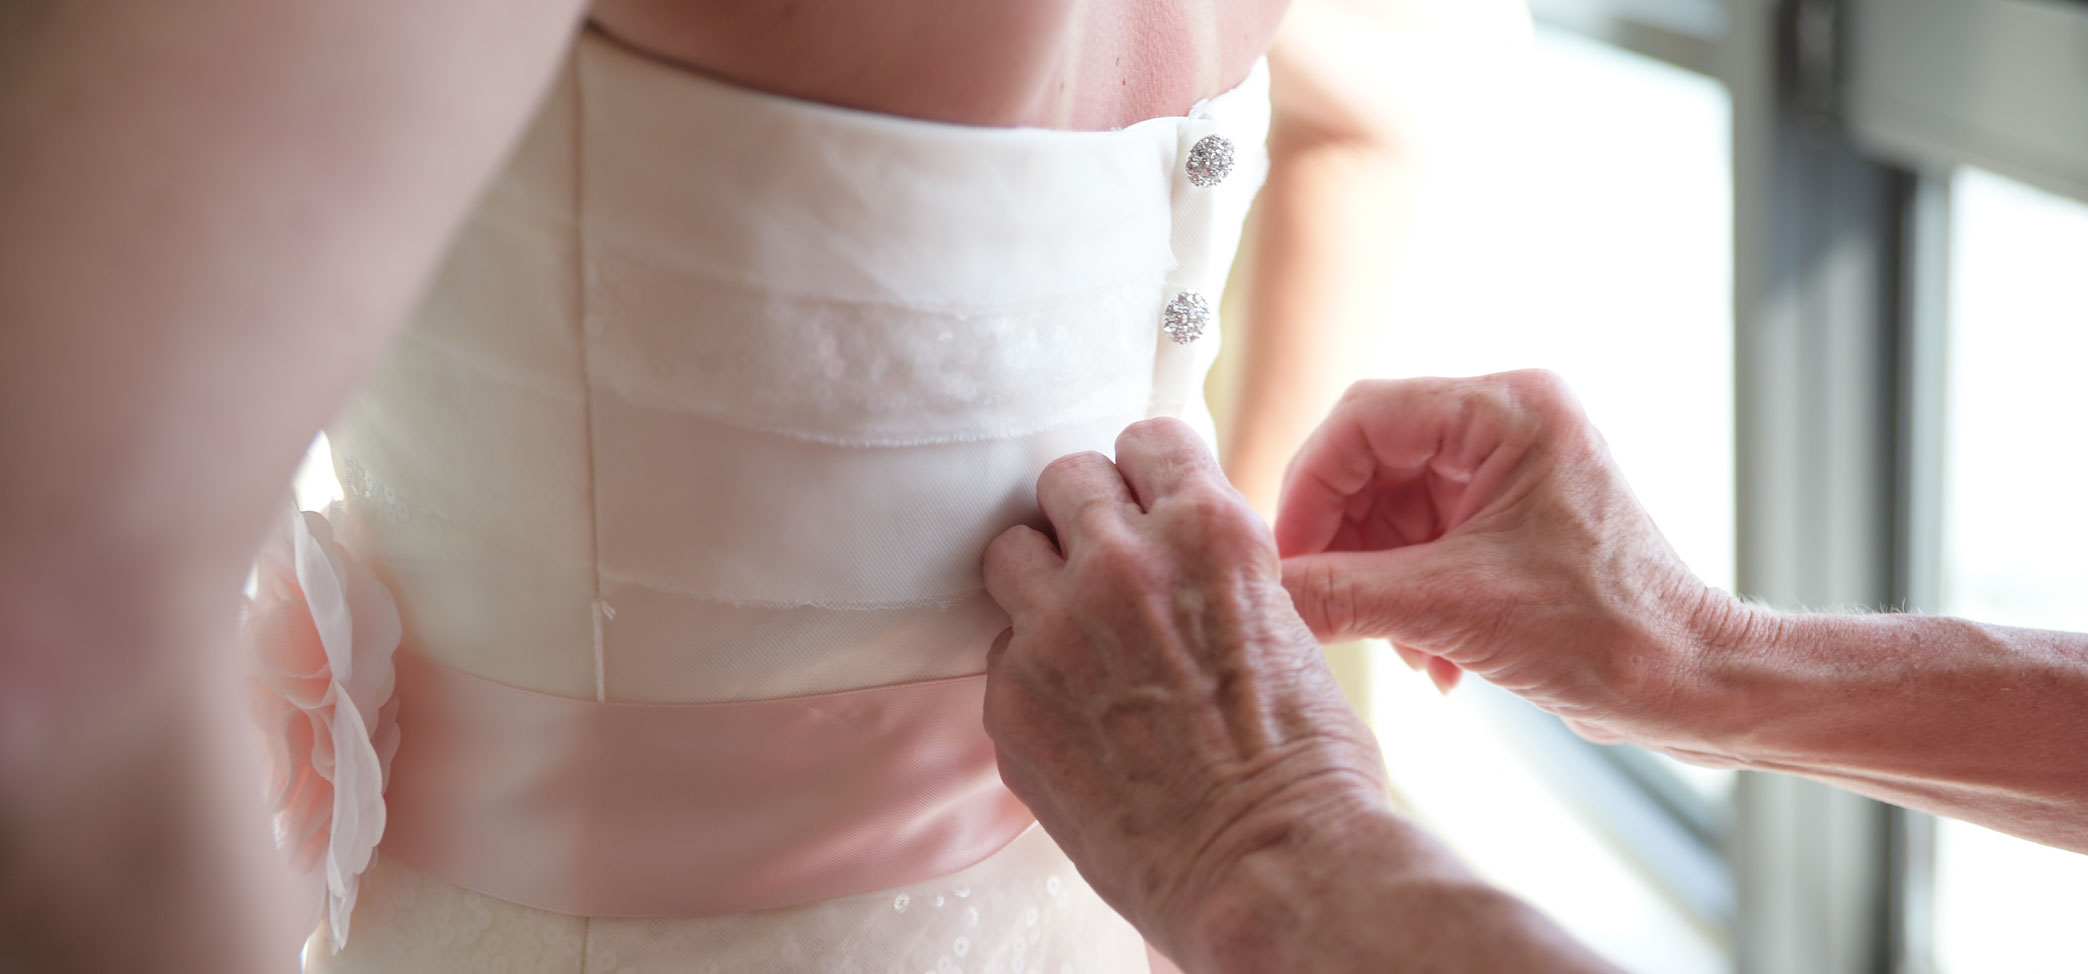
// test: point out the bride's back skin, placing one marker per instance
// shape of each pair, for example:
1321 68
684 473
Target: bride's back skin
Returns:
212 216
1070 64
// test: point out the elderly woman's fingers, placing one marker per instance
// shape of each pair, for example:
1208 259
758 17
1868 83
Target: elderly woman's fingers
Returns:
1441 446
1328 472
1159 457
1444 674
1082 494
1017 562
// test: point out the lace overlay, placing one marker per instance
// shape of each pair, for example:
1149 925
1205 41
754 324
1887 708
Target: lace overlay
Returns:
406 922
1024 911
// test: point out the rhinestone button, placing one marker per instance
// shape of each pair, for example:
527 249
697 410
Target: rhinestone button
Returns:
1210 160
1185 317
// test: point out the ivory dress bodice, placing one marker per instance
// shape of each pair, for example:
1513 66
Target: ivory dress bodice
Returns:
719 397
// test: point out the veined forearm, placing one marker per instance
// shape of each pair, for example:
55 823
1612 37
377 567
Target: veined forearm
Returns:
1979 722
1371 894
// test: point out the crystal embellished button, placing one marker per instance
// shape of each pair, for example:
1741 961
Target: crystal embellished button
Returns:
1210 160
1185 317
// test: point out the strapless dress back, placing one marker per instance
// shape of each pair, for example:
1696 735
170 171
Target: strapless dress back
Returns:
680 482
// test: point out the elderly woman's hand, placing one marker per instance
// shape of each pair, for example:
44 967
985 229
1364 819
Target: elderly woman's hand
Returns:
1480 524
1158 703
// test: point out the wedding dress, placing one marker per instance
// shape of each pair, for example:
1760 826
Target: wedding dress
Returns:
678 487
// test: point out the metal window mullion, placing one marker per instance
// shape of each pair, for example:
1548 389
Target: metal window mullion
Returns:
1818 326
1924 379
1683 33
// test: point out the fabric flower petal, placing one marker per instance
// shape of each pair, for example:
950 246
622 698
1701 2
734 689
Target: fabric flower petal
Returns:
321 634
319 573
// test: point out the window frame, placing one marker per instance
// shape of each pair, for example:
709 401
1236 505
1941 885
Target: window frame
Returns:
1998 84
1848 117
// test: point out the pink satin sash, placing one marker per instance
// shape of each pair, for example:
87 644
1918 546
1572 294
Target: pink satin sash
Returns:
651 810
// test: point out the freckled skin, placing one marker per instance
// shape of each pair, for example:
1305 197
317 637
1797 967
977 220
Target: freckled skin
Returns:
1162 707
1069 64
1169 718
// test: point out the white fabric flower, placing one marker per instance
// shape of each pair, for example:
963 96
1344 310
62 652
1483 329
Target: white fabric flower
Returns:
321 631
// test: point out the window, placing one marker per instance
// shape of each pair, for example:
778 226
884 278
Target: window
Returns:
1586 230
2015 526
1906 342
2016 467
1590 233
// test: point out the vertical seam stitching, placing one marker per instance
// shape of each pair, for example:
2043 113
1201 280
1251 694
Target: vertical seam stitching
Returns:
586 942
586 276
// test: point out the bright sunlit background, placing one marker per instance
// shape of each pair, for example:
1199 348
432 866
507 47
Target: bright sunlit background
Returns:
2015 529
1579 221
1586 228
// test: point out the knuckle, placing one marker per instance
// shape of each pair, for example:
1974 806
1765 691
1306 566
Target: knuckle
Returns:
1367 400
1159 428
1536 382
1541 390
1009 574
1111 563
1001 548
1066 465
1548 403
1235 549
1098 520
1112 577
1211 504
1365 391
1223 523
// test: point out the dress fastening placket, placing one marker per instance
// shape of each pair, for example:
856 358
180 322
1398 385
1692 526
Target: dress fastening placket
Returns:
1186 332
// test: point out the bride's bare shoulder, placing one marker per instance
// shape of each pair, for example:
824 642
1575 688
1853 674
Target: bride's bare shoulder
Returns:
1076 64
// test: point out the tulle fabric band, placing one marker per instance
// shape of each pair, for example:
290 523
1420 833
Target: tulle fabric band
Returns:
654 810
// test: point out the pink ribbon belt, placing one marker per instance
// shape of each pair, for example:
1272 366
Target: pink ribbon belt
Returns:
655 810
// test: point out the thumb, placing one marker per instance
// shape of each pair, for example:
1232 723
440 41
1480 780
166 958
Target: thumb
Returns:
1346 595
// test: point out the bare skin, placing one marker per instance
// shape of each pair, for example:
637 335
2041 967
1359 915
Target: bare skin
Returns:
1481 524
1166 716
1066 64
1173 724
215 214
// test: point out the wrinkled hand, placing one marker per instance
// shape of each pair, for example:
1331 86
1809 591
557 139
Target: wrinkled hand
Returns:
1158 703
1480 524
